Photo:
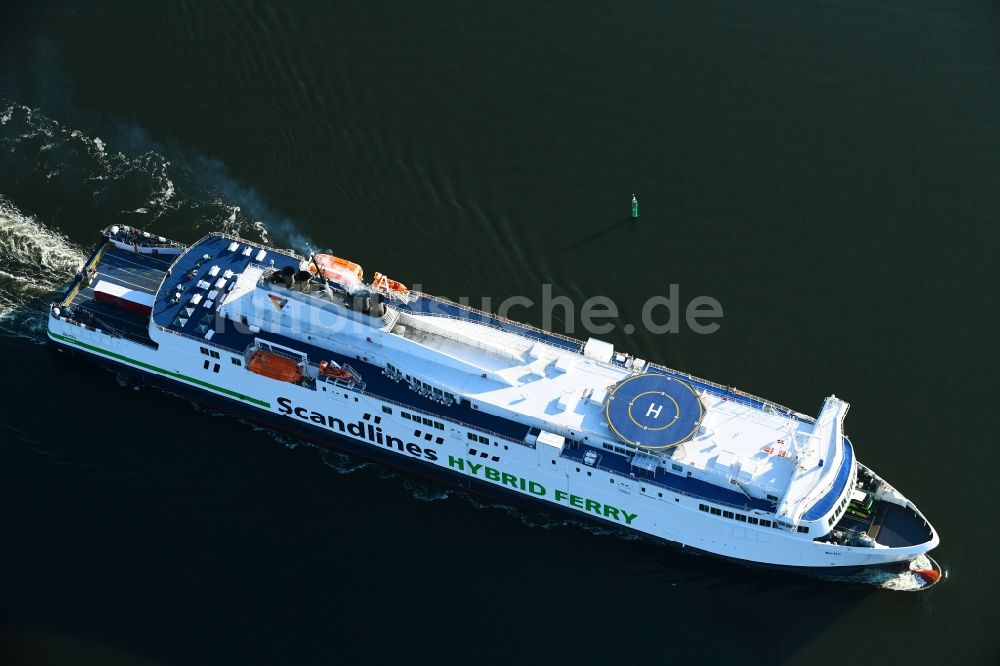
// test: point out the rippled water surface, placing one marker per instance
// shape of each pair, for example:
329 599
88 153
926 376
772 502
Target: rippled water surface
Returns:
828 171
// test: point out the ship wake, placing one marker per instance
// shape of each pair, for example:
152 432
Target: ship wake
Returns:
35 262
72 181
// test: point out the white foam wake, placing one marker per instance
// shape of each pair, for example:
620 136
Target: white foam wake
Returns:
904 581
34 261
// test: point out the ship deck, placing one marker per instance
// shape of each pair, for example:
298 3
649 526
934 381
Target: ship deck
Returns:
208 271
630 468
140 272
198 276
203 282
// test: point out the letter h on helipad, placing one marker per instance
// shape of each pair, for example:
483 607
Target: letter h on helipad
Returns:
654 409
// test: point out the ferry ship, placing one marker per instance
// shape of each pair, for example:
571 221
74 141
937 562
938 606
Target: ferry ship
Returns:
307 345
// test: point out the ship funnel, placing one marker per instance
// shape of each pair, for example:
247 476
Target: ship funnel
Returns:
301 278
376 307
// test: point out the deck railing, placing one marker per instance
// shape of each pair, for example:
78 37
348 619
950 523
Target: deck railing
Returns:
496 318
734 394
646 480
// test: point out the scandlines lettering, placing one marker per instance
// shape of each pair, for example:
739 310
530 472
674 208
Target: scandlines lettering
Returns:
366 428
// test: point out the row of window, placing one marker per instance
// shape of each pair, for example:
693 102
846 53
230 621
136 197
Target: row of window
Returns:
440 426
484 454
617 449
416 383
420 419
236 360
742 518
473 437
836 514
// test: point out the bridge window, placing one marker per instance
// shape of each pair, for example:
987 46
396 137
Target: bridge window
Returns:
727 514
765 523
703 507
676 467
740 517
803 529
472 437
237 361
386 410
752 520
715 512
405 415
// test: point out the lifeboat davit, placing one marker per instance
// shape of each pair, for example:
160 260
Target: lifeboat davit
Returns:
383 283
334 371
334 268
274 366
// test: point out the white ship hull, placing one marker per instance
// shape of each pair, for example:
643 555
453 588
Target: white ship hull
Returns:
371 426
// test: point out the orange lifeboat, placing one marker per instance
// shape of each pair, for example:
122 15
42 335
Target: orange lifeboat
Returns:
328 369
380 281
336 269
276 367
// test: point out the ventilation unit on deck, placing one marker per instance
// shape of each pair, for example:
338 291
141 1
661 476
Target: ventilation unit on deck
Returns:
599 350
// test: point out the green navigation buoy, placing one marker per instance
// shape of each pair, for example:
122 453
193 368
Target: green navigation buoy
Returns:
635 207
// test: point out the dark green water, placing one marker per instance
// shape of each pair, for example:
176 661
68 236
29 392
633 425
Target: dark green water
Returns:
828 171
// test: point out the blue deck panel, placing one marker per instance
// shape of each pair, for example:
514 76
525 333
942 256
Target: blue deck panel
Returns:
191 267
826 502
